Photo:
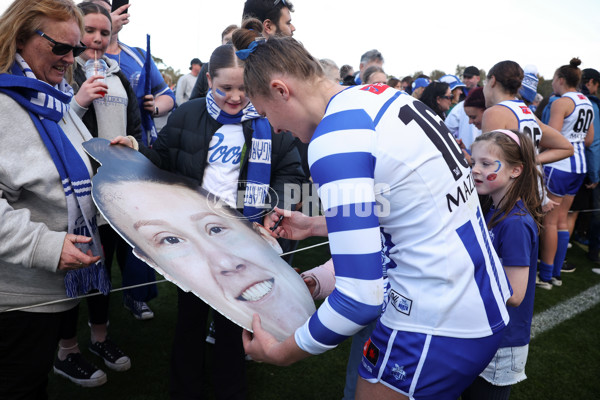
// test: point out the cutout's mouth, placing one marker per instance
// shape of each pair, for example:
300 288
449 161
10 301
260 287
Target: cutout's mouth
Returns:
257 291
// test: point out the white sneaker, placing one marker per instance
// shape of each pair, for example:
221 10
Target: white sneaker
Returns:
556 281
542 284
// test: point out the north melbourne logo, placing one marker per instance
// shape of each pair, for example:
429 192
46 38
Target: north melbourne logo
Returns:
400 303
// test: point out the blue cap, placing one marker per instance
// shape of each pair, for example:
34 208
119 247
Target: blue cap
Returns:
419 82
453 81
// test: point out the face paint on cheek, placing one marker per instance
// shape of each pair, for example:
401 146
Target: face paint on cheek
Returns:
492 177
219 92
499 166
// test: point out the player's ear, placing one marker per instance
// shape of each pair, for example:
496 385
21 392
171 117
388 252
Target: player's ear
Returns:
266 235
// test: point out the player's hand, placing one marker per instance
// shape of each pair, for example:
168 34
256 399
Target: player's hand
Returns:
293 226
260 345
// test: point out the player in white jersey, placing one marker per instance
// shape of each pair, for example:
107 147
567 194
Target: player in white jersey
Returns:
572 114
388 170
505 111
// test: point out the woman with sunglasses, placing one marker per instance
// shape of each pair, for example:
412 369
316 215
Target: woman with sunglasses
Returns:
438 96
108 107
49 244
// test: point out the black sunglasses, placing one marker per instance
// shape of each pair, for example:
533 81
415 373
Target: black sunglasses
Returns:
447 97
278 1
60 49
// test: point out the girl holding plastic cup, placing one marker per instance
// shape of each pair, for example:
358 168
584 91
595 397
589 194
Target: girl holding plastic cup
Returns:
105 100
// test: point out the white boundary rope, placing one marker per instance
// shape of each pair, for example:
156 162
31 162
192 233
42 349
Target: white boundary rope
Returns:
132 286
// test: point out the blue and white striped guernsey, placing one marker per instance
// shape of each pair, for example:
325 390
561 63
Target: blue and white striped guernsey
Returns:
526 119
575 128
380 149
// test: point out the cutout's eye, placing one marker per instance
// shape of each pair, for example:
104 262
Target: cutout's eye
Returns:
170 240
215 230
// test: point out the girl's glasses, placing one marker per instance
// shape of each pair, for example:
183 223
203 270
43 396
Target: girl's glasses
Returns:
60 49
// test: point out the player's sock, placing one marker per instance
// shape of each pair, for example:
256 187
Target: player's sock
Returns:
561 252
545 271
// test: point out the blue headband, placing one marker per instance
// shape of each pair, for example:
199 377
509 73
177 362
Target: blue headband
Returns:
243 54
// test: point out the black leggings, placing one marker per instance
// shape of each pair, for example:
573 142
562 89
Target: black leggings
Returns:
97 305
481 389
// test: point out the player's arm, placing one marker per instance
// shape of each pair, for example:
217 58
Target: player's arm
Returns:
560 109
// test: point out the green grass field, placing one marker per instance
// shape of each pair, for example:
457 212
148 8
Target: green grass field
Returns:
564 362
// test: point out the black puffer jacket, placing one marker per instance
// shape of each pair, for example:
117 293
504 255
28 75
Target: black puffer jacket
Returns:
182 148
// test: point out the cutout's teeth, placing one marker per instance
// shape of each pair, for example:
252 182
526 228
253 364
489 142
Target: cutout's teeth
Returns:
257 291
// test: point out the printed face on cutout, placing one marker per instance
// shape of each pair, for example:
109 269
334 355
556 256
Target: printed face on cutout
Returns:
209 252
228 89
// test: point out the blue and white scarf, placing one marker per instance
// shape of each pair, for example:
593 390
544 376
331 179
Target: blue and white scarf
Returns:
259 160
46 106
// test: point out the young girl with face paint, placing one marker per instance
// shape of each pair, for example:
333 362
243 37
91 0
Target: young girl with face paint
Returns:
505 175
221 142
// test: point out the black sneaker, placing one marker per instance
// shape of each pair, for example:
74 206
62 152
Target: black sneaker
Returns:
113 356
79 371
139 309
567 267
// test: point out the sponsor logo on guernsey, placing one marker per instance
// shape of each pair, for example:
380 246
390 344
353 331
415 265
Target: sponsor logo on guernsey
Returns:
376 88
525 109
400 303
371 352
398 372
581 97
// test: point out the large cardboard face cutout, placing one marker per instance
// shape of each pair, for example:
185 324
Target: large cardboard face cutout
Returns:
196 241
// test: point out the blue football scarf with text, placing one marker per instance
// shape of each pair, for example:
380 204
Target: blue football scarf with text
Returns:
259 158
46 106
